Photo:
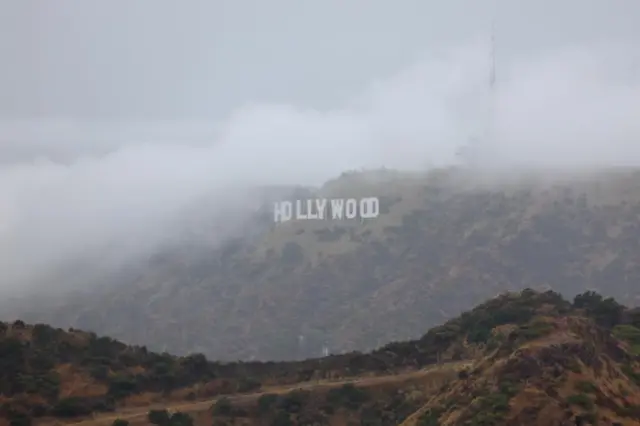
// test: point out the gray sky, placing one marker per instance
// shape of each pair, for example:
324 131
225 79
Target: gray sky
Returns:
115 115
164 59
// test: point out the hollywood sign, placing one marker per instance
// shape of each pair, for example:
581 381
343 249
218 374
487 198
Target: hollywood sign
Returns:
323 208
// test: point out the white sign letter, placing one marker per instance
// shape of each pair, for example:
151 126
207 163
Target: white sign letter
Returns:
336 208
352 208
369 208
299 214
321 205
282 211
310 214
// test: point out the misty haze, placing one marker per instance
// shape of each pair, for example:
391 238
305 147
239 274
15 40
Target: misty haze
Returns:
287 212
107 135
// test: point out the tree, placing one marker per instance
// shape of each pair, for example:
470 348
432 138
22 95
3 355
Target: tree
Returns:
72 407
222 407
282 419
266 401
180 419
606 312
19 419
159 417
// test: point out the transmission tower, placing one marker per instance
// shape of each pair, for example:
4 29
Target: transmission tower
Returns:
492 72
477 145
489 133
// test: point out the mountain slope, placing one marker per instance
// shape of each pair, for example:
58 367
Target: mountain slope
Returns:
523 359
571 372
443 242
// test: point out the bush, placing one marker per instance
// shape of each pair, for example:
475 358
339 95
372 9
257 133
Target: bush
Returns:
72 407
534 330
347 396
627 333
248 385
293 401
630 334
159 417
223 407
180 419
606 312
121 387
42 335
99 372
120 422
585 386
266 402
19 419
479 334
580 400
430 417
282 419
630 372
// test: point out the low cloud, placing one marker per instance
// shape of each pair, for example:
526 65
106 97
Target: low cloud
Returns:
68 189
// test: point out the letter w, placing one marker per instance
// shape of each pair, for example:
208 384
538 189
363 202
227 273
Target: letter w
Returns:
337 207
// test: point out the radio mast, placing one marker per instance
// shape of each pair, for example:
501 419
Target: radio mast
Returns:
477 146
492 75
488 137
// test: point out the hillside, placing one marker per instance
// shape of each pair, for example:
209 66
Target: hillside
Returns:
443 242
524 358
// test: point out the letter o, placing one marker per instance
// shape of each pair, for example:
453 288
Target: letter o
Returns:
351 210
369 207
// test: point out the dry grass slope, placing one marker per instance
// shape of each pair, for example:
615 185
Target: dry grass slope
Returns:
526 358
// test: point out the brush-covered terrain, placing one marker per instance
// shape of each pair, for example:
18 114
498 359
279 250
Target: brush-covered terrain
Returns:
444 241
526 358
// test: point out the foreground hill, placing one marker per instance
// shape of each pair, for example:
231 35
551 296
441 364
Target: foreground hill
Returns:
443 242
519 359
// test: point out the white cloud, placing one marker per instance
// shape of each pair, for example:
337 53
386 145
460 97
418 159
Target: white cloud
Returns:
571 107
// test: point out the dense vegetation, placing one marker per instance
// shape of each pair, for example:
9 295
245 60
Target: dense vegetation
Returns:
38 365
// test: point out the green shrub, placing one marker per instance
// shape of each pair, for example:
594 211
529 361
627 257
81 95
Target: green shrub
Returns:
282 419
180 419
159 417
347 396
606 312
222 407
19 419
72 407
266 402
580 400
248 385
430 417
586 386
534 330
122 386
293 401
630 372
99 372
629 334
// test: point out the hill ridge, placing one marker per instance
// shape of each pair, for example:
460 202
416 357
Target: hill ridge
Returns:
518 358
444 241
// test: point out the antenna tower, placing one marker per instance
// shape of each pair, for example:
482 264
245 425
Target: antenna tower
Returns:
476 146
492 85
492 75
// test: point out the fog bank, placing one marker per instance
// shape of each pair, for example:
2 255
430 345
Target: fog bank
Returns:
70 188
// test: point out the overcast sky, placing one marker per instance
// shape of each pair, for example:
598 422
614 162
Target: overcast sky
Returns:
168 59
274 91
